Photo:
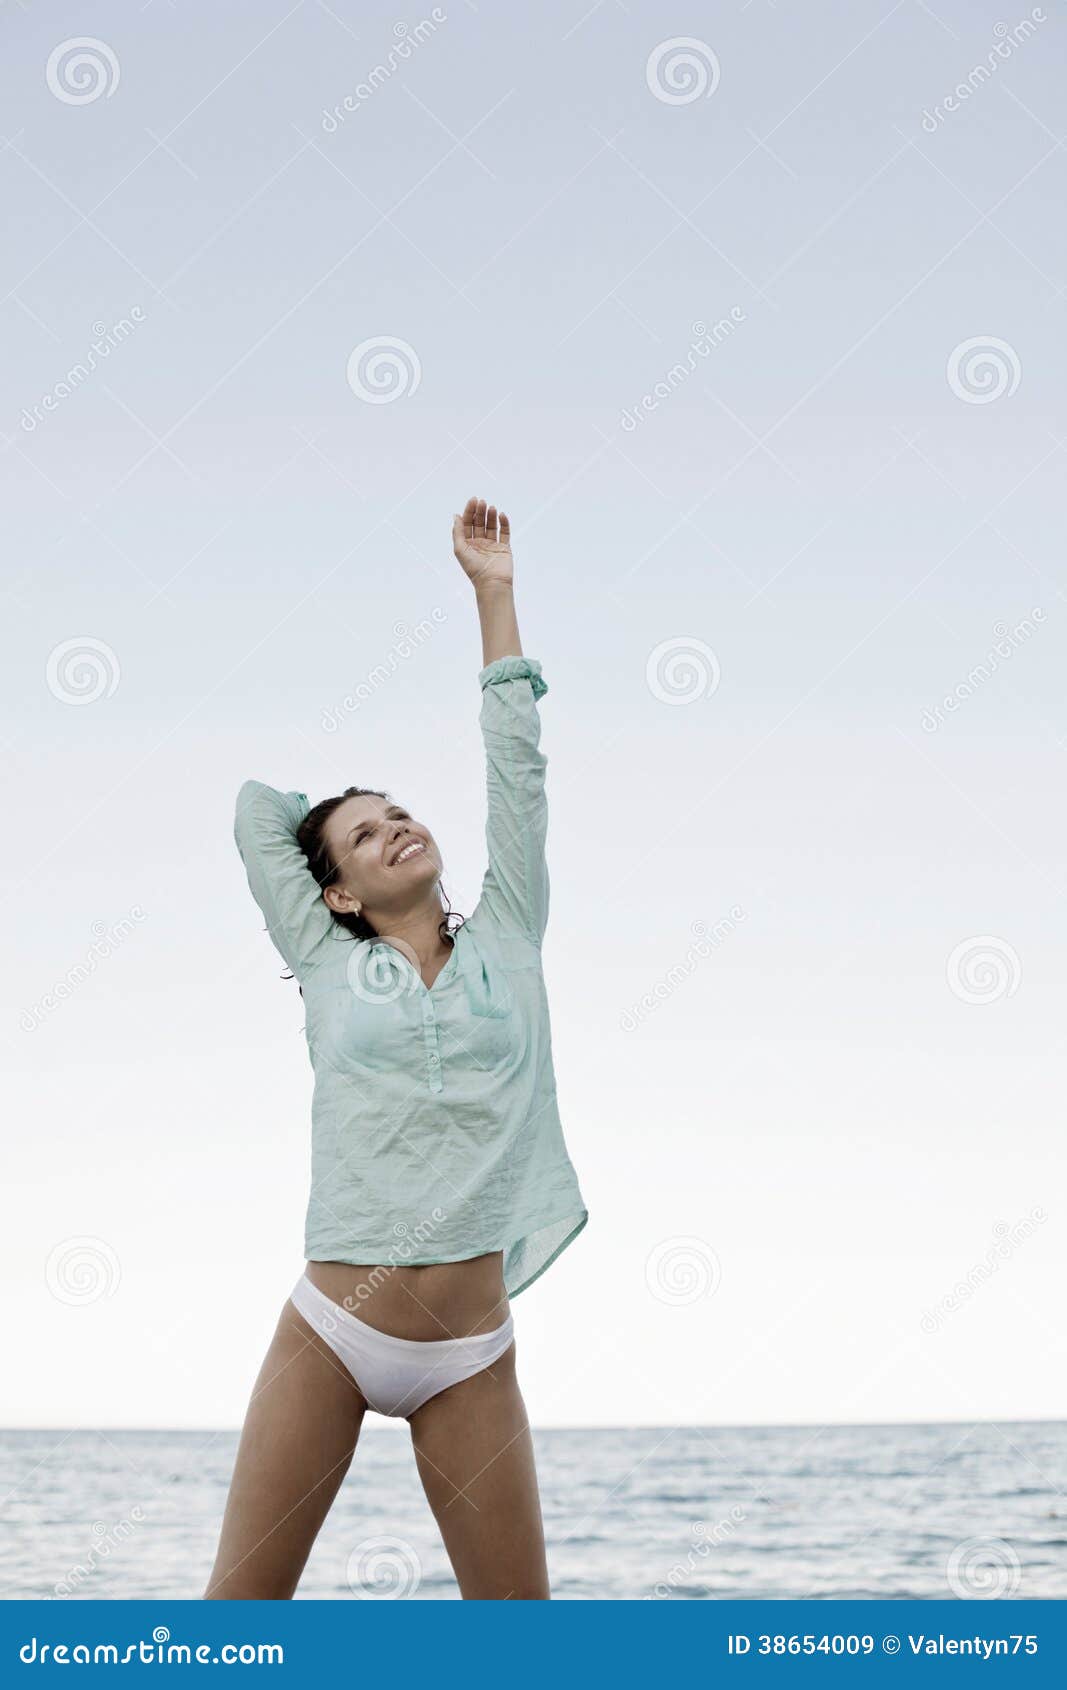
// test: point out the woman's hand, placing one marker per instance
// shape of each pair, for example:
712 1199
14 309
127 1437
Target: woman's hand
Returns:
482 548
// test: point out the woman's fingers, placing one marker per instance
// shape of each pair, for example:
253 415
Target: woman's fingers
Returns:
479 521
467 516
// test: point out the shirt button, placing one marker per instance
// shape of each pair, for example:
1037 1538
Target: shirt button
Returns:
434 1056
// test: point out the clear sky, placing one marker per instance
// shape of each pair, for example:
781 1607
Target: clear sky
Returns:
759 340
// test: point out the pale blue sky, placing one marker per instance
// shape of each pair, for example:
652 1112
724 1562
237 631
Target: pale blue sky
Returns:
829 503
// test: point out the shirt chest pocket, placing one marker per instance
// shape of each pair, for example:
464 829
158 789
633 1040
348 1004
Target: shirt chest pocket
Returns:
480 1039
491 1027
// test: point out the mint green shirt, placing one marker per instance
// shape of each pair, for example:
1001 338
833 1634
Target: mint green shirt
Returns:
435 1129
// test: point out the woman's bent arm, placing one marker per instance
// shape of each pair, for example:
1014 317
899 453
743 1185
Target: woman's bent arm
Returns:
279 878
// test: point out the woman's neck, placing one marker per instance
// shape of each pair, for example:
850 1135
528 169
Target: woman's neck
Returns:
417 930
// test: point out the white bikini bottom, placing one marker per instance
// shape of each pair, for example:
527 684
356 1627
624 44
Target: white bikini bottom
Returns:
397 1375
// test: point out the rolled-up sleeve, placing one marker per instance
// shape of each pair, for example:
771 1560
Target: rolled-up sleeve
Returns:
279 878
515 891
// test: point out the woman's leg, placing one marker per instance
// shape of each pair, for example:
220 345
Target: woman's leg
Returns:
475 1458
299 1437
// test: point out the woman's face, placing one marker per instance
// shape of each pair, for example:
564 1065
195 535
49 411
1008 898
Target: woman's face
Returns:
384 858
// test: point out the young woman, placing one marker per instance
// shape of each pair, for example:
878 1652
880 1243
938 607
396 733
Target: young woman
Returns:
440 1183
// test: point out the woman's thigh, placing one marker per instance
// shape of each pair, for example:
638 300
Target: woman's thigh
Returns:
475 1458
297 1444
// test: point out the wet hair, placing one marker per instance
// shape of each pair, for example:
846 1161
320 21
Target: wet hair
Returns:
311 837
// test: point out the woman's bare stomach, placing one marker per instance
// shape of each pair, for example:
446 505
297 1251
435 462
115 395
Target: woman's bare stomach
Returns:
440 1300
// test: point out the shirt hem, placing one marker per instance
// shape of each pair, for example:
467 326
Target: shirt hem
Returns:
571 1236
365 1256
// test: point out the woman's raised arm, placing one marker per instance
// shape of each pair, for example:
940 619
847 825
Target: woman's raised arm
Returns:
483 546
515 890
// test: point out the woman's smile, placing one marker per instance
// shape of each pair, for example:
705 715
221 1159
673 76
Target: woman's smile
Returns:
409 850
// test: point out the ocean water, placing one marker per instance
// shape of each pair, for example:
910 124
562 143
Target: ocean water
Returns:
663 1513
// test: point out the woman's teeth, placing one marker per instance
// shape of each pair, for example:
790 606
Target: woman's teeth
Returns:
409 851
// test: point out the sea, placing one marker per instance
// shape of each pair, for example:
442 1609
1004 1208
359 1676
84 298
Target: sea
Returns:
631 1513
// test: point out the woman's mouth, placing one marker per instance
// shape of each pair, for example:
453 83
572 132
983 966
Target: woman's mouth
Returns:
410 850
